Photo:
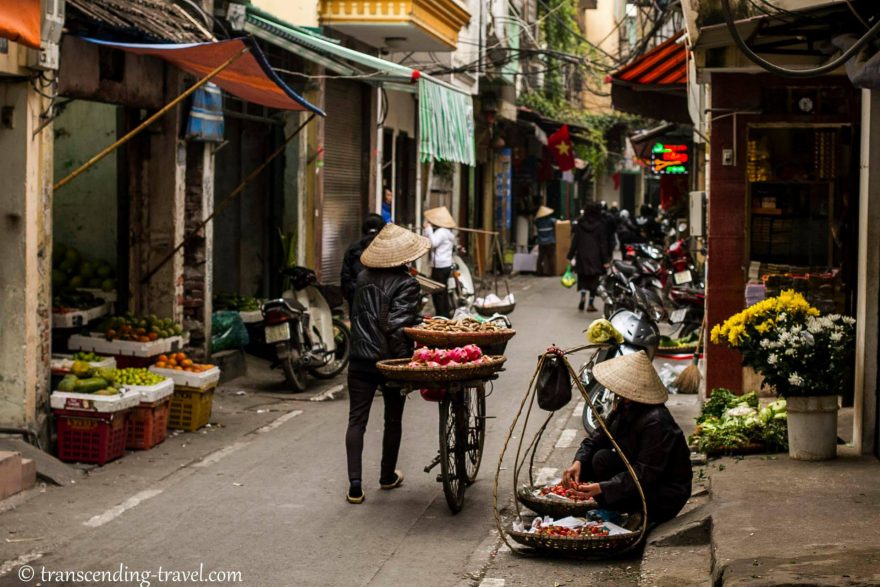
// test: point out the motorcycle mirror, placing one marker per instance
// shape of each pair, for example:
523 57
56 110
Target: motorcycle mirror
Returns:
682 227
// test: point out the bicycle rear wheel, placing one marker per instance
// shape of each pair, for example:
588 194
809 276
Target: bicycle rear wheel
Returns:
453 439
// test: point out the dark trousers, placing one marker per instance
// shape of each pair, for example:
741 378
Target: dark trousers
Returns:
547 259
442 306
361 390
606 464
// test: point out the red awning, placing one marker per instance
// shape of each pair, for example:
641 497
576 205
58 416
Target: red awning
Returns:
20 22
250 78
664 65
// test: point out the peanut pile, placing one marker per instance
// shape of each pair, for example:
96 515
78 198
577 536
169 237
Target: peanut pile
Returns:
463 325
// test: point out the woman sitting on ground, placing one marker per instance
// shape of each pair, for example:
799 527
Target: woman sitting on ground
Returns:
649 437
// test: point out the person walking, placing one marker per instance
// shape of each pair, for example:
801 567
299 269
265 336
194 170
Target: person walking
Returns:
386 300
545 224
589 254
438 228
351 262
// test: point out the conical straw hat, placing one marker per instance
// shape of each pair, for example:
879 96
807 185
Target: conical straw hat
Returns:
440 217
543 211
394 246
632 377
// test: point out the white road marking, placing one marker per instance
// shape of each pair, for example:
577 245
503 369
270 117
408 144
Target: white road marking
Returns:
118 510
566 438
487 582
545 475
17 562
279 421
579 409
219 455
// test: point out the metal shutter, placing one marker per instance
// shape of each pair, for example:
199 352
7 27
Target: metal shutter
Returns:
344 185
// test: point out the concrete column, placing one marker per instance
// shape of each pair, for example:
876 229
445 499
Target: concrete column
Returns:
26 242
199 253
865 402
158 188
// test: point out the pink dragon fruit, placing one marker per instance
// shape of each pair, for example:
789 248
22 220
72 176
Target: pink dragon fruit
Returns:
473 352
458 354
442 357
453 364
433 364
412 364
423 355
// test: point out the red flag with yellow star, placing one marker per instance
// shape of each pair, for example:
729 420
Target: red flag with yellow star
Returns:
560 144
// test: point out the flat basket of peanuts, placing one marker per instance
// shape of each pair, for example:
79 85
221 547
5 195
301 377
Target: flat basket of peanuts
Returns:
451 333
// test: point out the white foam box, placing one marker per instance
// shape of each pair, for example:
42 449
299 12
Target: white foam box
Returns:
87 402
202 380
79 318
251 317
98 344
153 393
63 363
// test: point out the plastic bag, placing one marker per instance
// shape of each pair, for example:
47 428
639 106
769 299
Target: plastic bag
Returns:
554 383
227 331
568 278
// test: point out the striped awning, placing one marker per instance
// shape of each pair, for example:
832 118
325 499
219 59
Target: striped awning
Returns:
664 65
446 124
446 113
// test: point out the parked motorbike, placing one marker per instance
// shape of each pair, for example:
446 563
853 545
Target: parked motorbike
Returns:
461 284
640 333
306 329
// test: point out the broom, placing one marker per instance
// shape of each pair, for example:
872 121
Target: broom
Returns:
688 381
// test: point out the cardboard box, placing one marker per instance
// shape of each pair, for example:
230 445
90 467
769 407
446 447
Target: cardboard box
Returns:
10 473
28 473
563 243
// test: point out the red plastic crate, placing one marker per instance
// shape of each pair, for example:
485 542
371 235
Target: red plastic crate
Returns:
90 437
148 424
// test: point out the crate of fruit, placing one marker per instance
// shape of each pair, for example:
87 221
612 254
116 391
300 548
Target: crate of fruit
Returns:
64 363
190 408
94 402
97 343
186 373
95 438
76 318
148 424
155 392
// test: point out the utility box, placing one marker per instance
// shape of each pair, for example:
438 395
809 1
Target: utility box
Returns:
563 243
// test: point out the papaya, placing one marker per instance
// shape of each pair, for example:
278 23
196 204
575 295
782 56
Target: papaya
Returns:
82 369
107 391
105 373
68 383
90 385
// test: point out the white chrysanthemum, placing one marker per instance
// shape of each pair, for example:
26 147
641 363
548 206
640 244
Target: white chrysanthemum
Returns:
796 380
791 351
765 343
836 336
808 338
772 359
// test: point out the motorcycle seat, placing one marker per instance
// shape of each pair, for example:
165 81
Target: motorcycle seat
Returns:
625 268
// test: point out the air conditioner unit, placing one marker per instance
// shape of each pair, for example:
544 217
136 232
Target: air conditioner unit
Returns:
51 26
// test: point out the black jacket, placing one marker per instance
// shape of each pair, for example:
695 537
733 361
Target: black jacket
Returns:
385 301
351 268
658 452
589 245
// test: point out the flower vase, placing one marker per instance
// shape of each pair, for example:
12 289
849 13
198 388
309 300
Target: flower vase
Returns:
812 427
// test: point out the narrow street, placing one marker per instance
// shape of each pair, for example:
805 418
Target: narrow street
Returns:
264 496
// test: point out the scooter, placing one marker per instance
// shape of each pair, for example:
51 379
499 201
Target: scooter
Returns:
640 333
461 285
306 329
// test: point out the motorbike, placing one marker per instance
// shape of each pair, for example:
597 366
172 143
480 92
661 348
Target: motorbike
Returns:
640 333
306 329
461 284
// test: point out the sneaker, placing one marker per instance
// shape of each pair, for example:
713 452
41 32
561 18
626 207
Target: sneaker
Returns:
394 483
355 493
581 305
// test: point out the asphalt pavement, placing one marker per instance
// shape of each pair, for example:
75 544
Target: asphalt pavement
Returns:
260 494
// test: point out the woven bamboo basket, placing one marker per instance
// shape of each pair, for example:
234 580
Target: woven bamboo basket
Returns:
454 339
553 507
398 369
583 544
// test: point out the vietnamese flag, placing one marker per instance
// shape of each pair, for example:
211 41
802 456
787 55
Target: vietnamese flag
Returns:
20 22
560 144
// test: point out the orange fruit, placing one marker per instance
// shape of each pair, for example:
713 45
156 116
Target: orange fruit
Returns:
180 357
163 358
178 368
187 363
153 336
161 364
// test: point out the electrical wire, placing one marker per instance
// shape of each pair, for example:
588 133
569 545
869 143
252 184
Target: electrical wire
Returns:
783 71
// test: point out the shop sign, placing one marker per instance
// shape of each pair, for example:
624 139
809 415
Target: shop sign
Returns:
503 191
669 159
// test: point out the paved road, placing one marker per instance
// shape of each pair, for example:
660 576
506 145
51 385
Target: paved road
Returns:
268 502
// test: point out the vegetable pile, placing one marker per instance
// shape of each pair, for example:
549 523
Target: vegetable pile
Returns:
84 378
731 423
688 341
436 358
590 529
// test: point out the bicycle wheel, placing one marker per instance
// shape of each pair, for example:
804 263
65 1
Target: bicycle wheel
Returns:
453 435
475 411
